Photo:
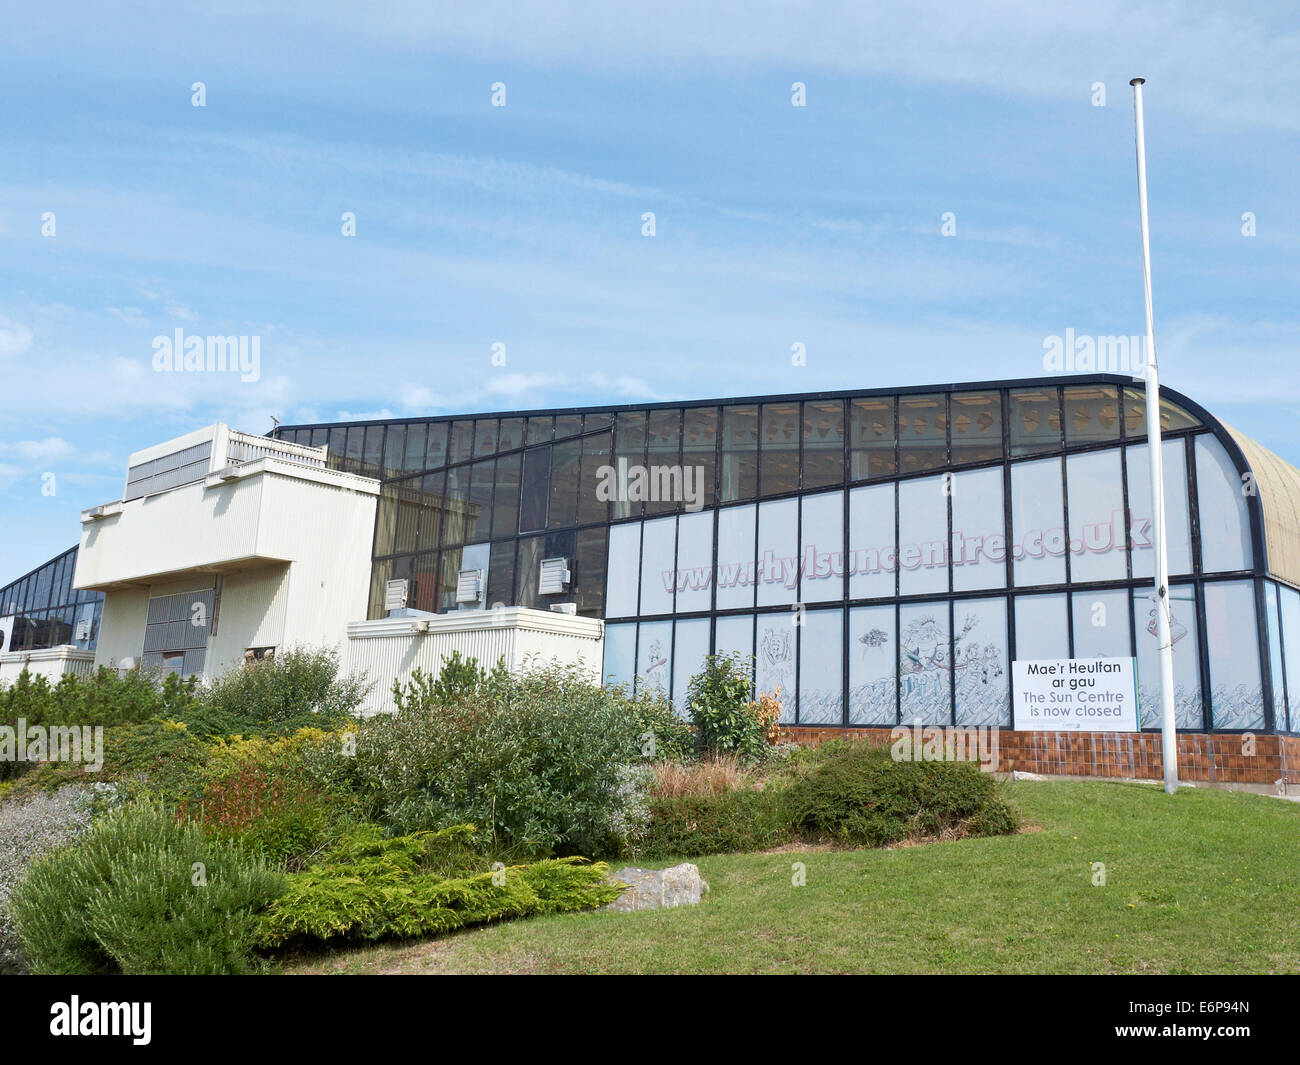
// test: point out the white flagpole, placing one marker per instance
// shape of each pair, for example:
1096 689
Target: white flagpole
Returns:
1168 728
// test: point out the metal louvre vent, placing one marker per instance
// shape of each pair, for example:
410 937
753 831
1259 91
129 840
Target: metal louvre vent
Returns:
469 586
168 471
553 577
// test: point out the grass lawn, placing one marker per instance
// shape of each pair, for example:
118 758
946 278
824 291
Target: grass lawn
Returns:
1205 881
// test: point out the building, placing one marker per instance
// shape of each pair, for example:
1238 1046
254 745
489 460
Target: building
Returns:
884 555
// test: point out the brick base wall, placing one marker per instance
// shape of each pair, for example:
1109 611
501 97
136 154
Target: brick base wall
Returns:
1216 758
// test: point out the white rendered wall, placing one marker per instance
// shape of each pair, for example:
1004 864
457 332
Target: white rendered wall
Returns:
49 662
388 649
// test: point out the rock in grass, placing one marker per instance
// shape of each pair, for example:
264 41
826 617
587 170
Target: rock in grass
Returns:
651 889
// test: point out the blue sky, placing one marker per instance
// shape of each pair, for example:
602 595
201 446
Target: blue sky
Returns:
522 224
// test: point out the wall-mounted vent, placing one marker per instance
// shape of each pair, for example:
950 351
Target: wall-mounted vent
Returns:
469 586
553 577
395 594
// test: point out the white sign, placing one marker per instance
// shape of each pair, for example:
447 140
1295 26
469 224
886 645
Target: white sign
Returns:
395 595
1075 694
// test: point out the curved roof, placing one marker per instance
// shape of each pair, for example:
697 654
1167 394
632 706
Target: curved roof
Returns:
1278 485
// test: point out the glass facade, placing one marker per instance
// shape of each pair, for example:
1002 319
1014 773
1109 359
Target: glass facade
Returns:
883 557
42 609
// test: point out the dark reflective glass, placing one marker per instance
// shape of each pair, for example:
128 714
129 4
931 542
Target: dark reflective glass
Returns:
592 422
485 437
536 489
373 456
739 475
528 568
501 574
539 429
478 513
823 443
431 508
663 449
409 497
448 571
565 465
435 450
976 426
1172 416
1091 414
597 478
455 514
700 451
413 461
778 448
1035 416
922 432
629 442
512 434
567 425
871 438
589 572
424 583
394 450
505 504
460 444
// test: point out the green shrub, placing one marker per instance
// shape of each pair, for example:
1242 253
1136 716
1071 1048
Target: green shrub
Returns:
142 893
745 819
719 698
378 888
661 732
298 688
857 794
534 760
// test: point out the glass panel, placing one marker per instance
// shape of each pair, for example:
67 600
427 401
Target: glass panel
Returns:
774 661
1035 420
565 466
412 458
739 478
821 668
455 515
821 548
1232 638
435 449
1177 524
779 446
694 562
620 654
589 572
1290 603
501 574
922 432
629 442
1037 523
736 570
385 519
478 516
1042 628
1097 535
380 573
567 425
1101 625
690 647
408 516
872 556
981 678
663 440
823 443
657 549
485 437
871 438
654 657
923 536
979 541
1172 416
460 444
1091 414
356 448
1275 656
1225 519
1187 677
597 479
778 559
338 448
373 457
924 677
539 429
511 434
700 454
873 666
735 633
536 489
592 422
394 450
624 570
449 570
976 426
528 566
505 501
431 510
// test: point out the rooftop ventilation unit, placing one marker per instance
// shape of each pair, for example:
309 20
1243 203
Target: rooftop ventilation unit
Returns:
395 594
469 586
554 576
